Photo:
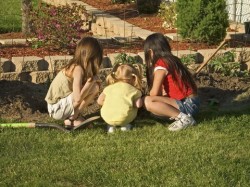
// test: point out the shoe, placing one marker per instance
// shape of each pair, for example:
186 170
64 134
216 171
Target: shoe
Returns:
111 129
182 122
128 127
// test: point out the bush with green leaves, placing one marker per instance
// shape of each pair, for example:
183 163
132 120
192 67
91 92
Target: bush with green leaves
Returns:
58 27
225 65
148 6
202 20
167 11
124 58
188 59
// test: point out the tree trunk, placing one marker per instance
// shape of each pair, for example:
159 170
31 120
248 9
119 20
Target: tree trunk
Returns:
26 8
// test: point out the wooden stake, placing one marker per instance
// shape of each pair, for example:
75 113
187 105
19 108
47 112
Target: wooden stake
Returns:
226 39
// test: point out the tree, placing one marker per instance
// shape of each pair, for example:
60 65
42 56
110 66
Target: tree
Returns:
202 20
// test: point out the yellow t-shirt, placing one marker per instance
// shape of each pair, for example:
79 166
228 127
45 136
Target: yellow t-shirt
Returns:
118 107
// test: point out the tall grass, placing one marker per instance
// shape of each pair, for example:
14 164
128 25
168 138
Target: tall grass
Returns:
11 15
213 153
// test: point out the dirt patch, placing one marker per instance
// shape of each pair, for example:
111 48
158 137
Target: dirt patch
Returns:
24 101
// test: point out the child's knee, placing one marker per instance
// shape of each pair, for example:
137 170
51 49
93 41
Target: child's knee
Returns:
147 102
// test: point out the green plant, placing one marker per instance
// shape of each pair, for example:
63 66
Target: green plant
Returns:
167 11
225 65
59 27
148 6
188 59
124 58
202 20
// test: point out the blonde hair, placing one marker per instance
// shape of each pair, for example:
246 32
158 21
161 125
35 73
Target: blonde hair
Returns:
126 73
88 55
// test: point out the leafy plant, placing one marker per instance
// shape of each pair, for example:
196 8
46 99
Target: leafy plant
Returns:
148 6
59 27
188 59
225 65
202 20
123 58
167 11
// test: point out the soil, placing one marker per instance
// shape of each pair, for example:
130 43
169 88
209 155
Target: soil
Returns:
24 101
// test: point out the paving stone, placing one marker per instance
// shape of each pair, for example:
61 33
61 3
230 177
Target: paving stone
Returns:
112 57
208 52
141 57
142 33
6 65
110 22
101 30
13 41
29 63
41 76
57 62
11 76
174 37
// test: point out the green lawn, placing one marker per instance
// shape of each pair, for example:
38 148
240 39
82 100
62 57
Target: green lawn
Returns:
216 152
11 15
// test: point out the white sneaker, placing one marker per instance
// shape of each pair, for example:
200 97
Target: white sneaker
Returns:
111 129
128 127
182 122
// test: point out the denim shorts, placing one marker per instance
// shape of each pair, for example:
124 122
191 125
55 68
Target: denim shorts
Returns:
189 105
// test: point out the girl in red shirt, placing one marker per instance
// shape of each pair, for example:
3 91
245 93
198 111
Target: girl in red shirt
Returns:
172 90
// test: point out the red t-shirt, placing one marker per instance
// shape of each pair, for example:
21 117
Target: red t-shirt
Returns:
172 90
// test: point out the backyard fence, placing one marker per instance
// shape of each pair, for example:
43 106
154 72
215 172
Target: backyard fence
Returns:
238 10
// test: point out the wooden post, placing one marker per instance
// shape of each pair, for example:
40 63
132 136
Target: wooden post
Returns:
26 8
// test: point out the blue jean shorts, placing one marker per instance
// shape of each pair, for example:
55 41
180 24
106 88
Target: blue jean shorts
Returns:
189 105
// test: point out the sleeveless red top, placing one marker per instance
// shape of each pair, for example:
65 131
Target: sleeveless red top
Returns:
172 90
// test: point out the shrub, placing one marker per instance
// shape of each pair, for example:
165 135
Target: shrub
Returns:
148 6
167 11
123 58
225 65
202 20
58 27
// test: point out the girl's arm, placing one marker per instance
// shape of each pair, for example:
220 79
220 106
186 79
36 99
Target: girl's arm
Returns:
101 99
80 91
156 89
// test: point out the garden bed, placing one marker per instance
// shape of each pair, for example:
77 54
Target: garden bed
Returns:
24 101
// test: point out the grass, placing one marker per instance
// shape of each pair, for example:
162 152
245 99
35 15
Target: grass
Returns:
11 15
213 153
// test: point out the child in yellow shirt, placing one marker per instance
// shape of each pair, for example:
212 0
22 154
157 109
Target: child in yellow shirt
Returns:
121 99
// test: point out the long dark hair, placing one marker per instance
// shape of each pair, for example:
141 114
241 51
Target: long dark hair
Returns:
159 46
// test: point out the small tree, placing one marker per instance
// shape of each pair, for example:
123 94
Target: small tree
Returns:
202 20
